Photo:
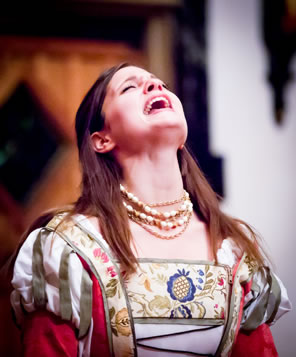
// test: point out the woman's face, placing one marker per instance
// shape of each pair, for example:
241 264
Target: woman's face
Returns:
139 111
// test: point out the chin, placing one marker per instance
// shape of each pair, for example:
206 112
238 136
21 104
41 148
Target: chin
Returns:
175 129
180 126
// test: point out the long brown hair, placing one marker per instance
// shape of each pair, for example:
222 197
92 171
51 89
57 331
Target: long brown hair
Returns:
101 196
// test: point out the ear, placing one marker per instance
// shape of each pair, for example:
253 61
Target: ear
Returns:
102 142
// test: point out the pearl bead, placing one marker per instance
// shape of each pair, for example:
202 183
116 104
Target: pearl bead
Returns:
130 195
122 189
190 209
147 209
167 214
170 224
180 222
185 219
143 215
163 224
183 207
154 212
124 204
149 218
135 199
129 208
173 213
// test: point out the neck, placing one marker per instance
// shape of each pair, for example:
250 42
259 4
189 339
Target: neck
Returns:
153 177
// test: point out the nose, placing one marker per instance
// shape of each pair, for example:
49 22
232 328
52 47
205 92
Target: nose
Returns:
152 84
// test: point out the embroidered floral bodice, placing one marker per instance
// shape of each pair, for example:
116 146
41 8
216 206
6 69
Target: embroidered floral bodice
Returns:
184 300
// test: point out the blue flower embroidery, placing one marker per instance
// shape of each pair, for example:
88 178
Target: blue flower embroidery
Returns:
181 287
199 279
181 312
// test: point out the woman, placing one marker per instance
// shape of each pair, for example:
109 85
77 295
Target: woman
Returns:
145 263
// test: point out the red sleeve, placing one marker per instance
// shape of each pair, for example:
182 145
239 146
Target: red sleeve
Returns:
258 343
99 341
45 334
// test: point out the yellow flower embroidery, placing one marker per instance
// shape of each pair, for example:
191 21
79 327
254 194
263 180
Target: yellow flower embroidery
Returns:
144 280
122 322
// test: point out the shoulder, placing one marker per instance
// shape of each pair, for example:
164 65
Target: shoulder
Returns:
229 253
37 275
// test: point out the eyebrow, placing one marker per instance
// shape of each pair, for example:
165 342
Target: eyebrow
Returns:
133 78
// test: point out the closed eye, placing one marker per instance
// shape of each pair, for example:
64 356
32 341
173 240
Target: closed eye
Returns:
127 88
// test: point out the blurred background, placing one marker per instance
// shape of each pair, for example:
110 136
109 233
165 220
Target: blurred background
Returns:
230 61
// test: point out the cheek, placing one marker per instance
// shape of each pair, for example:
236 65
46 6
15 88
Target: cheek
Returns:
115 123
179 105
123 123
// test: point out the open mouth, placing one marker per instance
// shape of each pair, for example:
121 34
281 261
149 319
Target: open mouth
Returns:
156 103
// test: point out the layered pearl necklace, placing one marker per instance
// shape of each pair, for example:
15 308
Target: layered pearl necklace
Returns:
146 215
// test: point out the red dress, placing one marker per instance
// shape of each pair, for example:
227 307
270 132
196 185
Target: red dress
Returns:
48 335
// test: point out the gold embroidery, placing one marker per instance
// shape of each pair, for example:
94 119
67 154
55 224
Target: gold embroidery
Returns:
181 287
122 322
252 265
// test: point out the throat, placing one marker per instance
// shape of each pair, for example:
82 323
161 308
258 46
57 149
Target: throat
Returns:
154 177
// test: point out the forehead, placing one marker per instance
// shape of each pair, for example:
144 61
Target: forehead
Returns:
124 73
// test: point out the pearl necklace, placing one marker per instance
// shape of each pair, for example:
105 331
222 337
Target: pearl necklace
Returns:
162 236
146 215
187 205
